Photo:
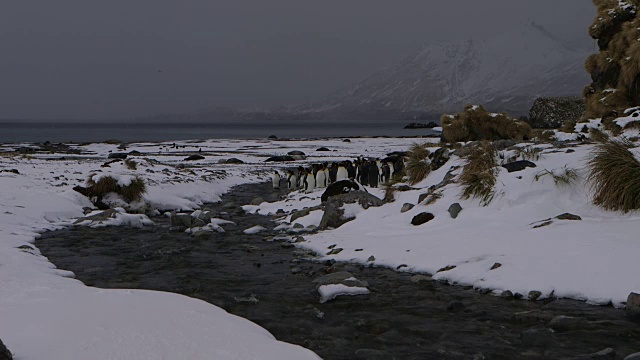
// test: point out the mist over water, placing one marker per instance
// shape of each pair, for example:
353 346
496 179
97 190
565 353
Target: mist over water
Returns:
41 131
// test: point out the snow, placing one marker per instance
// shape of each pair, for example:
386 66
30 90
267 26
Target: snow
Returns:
255 229
45 313
331 291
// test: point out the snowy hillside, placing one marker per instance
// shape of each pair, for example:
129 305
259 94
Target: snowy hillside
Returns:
506 72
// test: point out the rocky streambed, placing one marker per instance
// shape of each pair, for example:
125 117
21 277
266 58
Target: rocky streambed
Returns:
270 282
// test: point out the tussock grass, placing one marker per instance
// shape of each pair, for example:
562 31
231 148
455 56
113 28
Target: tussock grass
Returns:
107 184
543 136
598 135
131 164
418 163
475 123
529 152
478 177
564 177
614 174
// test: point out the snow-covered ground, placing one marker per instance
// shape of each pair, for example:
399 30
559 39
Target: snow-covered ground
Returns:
45 313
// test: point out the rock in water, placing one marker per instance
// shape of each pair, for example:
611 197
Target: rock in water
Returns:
280 158
120 156
5 354
518 165
422 218
194 157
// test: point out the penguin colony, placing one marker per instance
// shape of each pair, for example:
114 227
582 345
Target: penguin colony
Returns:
367 172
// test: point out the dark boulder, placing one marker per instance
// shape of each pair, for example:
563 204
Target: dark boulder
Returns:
272 137
633 306
439 158
134 152
233 161
323 149
334 214
422 218
296 153
518 165
280 158
552 112
194 157
346 140
339 187
454 210
120 156
414 125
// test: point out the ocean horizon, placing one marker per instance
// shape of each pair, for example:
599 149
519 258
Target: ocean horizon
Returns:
14 131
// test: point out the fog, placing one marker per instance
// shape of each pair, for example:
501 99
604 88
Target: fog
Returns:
89 59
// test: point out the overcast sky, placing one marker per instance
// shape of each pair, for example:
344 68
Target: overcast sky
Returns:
121 58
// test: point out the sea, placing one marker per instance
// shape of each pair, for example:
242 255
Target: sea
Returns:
97 131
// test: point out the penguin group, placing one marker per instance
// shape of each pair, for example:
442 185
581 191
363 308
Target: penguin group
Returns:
368 172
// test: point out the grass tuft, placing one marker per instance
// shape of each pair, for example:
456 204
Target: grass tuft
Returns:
131 164
614 174
418 163
565 177
107 184
478 177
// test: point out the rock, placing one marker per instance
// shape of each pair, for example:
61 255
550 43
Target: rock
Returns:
339 187
107 214
506 294
422 218
552 112
563 323
371 258
534 295
296 152
340 277
323 149
346 140
233 161
422 197
414 125
298 226
5 354
607 353
272 137
538 337
569 151
446 268
194 157
181 220
455 306
634 356
439 158
518 165
257 201
370 354
333 212
335 251
633 306
120 156
567 216
280 158
406 207
532 317
300 213
454 210
418 278
495 266
295 270
403 188
503 144
134 152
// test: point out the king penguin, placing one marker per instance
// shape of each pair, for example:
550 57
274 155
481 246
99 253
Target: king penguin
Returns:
321 180
275 178
342 173
292 181
311 182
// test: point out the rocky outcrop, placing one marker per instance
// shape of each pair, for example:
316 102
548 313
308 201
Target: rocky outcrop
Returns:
333 216
5 354
553 112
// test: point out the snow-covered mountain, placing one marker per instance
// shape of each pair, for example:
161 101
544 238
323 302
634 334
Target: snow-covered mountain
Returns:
505 73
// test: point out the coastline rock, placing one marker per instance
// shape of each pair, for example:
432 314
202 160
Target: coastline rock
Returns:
120 156
5 354
414 125
323 149
194 157
534 295
422 218
280 158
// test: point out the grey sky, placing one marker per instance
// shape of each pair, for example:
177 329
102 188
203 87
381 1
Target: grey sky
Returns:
122 58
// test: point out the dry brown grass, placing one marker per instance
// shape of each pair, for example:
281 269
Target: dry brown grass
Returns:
478 177
131 164
614 174
598 135
475 123
564 177
418 163
107 184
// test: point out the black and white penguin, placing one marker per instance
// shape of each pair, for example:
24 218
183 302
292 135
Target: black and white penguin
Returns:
292 181
310 182
342 173
275 179
374 174
321 179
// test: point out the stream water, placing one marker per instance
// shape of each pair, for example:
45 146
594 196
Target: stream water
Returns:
270 283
